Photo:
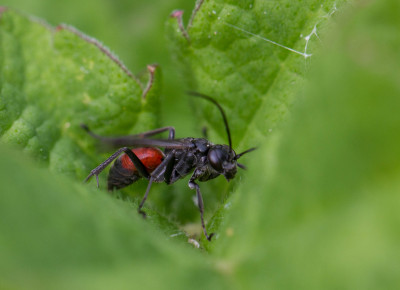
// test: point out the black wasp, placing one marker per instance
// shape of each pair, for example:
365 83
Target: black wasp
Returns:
180 157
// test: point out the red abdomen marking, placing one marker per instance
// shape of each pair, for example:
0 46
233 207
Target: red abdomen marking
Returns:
151 157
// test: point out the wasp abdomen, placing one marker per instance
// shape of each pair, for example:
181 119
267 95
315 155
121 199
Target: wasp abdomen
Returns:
123 172
119 177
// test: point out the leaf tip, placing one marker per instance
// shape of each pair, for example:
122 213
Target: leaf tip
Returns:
177 14
151 69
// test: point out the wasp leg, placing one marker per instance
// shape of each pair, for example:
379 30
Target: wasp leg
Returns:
194 185
138 164
157 175
104 164
169 168
145 198
136 161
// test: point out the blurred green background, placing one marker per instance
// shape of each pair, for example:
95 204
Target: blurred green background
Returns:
133 30
318 208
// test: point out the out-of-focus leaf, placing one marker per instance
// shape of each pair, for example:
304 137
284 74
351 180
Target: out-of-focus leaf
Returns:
321 211
60 235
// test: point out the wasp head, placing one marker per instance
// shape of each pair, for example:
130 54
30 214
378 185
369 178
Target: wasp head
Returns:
223 160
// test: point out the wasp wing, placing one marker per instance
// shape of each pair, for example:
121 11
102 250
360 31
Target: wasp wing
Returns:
134 141
139 141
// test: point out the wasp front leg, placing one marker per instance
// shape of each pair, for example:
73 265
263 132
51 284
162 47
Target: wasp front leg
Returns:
194 185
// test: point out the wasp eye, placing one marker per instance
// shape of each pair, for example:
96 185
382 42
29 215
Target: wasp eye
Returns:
216 157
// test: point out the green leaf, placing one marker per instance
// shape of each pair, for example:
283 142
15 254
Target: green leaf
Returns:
317 207
52 80
227 54
255 81
320 206
56 234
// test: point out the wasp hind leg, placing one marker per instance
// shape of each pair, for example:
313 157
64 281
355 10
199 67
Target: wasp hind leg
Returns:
136 161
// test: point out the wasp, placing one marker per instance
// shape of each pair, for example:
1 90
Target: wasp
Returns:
196 156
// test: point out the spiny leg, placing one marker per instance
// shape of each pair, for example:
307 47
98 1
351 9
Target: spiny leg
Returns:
194 185
136 161
145 198
104 164
161 170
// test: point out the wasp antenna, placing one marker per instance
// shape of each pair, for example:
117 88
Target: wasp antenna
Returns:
85 127
241 166
228 132
244 152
